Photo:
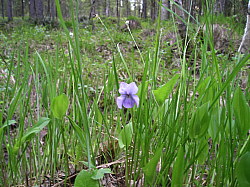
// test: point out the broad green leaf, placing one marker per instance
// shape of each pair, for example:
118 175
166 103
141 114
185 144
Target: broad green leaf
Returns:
210 92
202 150
242 112
178 169
35 129
100 173
150 168
84 179
98 114
91 166
59 106
125 136
203 86
214 122
200 122
79 133
243 171
31 132
162 93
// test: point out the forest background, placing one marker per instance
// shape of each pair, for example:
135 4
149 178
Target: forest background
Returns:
63 67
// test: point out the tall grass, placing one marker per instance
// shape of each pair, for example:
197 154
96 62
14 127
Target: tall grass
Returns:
189 130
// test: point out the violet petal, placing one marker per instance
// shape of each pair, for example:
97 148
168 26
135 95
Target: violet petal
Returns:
136 99
120 100
132 88
123 88
128 102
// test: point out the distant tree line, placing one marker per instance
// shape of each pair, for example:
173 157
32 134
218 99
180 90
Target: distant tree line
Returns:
38 10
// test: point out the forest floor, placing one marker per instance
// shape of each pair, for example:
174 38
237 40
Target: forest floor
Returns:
22 42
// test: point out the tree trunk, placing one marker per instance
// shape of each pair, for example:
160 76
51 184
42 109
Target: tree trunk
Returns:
92 14
144 9
139 9
245 43
117 12
32 10
134 9
39 10
9 10
128 11
104 5
22 9
152 11
53 10
97 7
2 8
228 7
181 25
48 9
219 6
92 10
164 12
108 8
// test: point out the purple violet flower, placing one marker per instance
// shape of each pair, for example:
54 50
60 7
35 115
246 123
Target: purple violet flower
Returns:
128 98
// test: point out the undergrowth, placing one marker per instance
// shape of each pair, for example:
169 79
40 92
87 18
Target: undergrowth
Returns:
59 118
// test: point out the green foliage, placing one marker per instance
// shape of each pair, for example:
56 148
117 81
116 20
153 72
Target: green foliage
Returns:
31 132
133 18
178 169
162 93
242 112
200 122
150 168
203 125
7 123
125 136
242 171
60 106
99 174
84 179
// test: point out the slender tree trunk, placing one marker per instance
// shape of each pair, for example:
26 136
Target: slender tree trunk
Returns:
228 7
97 7
39 10
134 9
127 8
2 8
164 12
104 5
48 9
92 9
139 9
118 12
32 10
245 43
144 9
92 14
152 10
9 10
181 25
53 10
22 9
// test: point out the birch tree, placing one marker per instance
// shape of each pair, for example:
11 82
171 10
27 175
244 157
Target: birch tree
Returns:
245 43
